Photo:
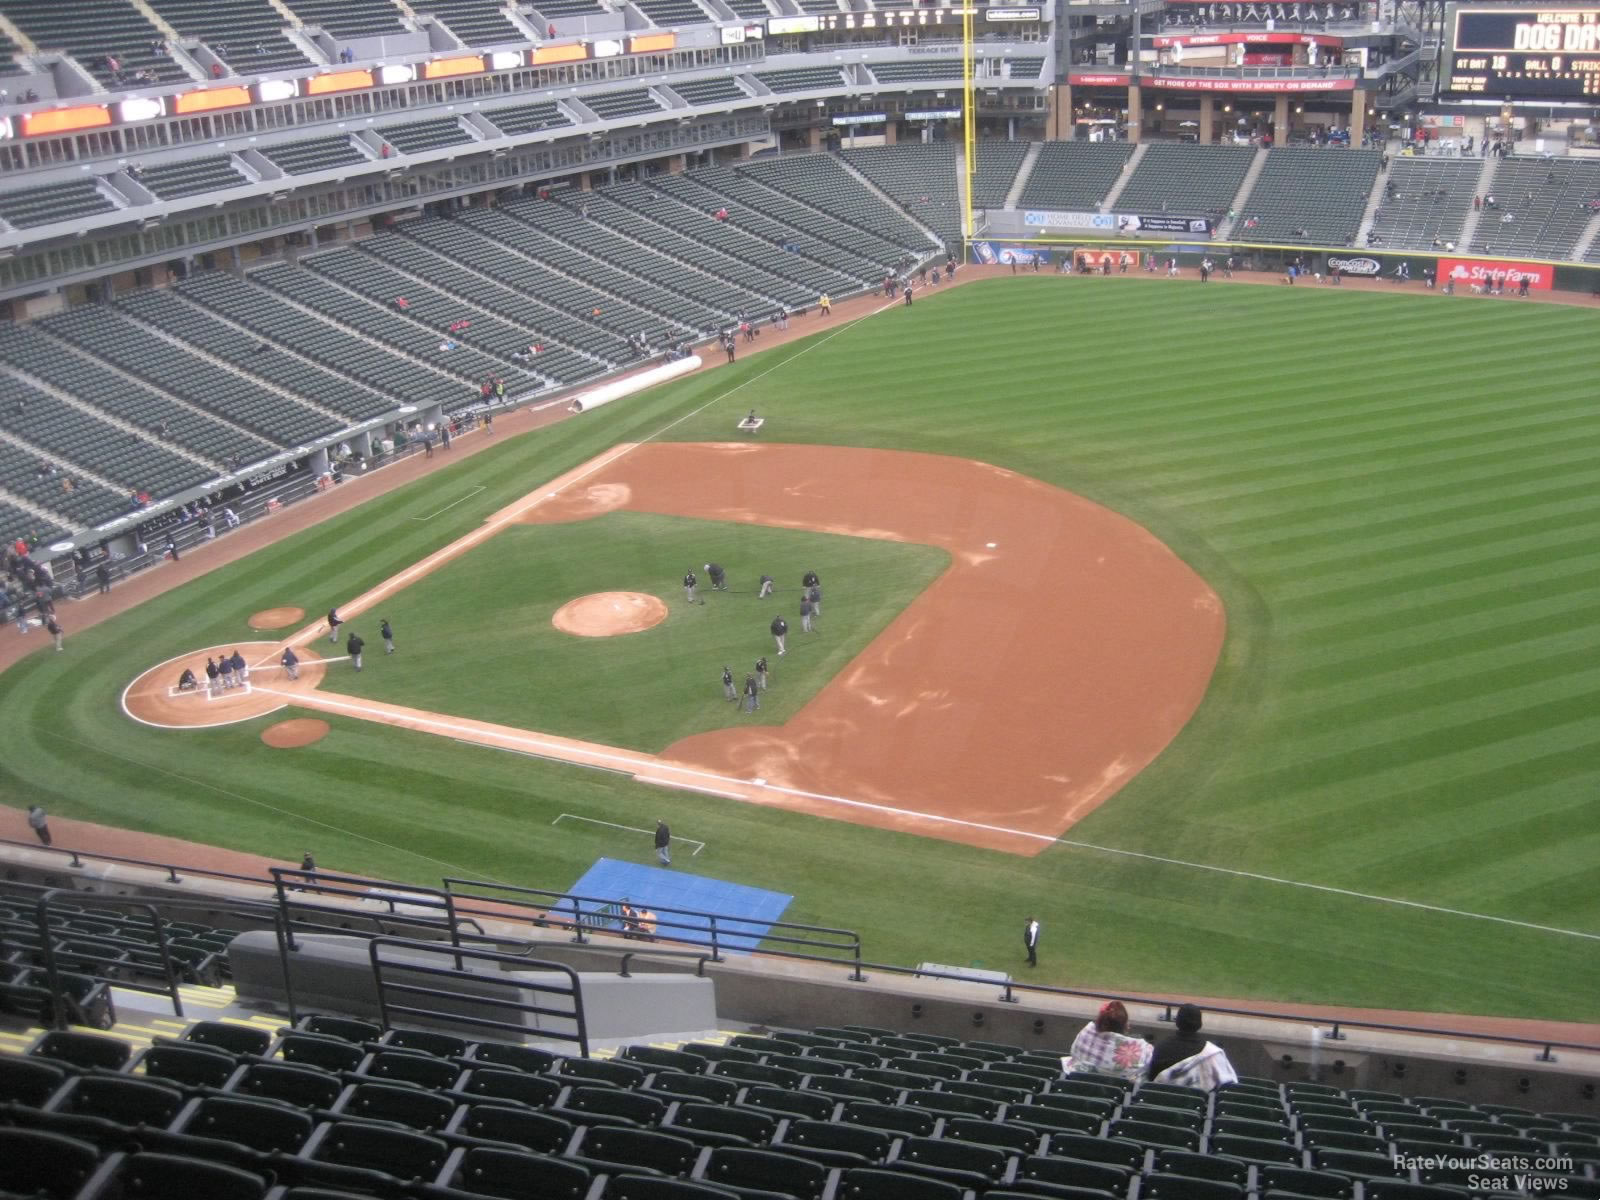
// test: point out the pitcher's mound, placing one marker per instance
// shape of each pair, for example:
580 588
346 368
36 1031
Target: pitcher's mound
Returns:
276 618
606 614
301 731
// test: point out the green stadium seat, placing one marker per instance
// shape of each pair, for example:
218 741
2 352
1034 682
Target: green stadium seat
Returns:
677 1086
1116 1151
541 1132
261 1125
1323 1184
528 1059
513 1175
122 1099
535 1091
412 1107
1075 1172
965 1163
871 1183
713 1125
1007 1136
773 1171
87 1051
1183 1187
235 1039
161 1176
810 1105
344 1028
28 1081
911 1122
616 1149
186 1065
1202 1166
329 1053
38 1163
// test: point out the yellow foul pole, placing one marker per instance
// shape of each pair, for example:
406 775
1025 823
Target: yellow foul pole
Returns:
969 116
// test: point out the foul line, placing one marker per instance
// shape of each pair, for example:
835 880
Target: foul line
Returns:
201 783
452 504
637 765
531 501
698 845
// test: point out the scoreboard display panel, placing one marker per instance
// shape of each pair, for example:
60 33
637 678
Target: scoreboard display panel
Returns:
1525 52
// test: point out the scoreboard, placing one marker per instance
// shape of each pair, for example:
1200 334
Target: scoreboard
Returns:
1525 53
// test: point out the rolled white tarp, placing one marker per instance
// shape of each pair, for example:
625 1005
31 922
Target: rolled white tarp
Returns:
607 392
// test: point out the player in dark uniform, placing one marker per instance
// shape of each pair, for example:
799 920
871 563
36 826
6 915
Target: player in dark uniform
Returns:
387 634
719 580
761 673
727 684
780 630
187 682
752 696
291 662
353 647
689 584
810 580
211 676
766 587
334 621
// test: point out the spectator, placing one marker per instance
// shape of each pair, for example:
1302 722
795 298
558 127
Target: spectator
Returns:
216 70
1104 1047
1186 1058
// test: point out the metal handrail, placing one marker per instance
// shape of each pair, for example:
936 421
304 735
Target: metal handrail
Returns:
850 943
331 884
1169 1009
58 1008
574 989
77 857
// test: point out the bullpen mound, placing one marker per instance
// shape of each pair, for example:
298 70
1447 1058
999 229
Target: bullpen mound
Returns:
276 618
607 614
302 731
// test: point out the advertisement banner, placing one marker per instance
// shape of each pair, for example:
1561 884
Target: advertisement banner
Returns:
1106 222
1233 39
1119 223
1469 271
1205 83
1097 80
1164 223
1363 266
992 253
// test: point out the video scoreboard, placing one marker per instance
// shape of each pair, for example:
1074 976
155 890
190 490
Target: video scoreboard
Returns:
1525 53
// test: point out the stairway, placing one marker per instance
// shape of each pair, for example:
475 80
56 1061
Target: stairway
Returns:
1014 196
1242 197
1109 204
1485 185
884 196
1374 202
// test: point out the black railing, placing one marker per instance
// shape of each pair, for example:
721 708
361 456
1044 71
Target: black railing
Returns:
719 930
452 1012
564 909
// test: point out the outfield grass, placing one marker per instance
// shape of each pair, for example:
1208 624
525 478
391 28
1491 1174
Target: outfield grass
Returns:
1394 494
478 641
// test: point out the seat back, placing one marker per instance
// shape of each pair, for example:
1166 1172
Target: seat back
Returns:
485 1171
160 1176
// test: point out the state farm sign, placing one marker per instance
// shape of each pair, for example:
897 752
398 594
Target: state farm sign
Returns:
1540 276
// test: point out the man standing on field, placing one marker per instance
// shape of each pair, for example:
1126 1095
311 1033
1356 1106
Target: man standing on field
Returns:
780 630
353 648
689 582
663 843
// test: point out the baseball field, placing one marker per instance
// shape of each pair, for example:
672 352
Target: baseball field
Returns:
1260 624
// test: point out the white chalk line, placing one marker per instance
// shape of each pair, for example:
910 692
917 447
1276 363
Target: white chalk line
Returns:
495 524
284 812
639 765
695 842
519 509
436 512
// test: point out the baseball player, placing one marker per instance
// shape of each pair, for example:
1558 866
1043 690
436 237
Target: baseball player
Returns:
353 647
761 673
719 581
187 681
291 662
810 580
241 670
387 635
212 672
689 582
334 621
805 614
752 694
225 666
815 596
766 587
54 630
780 630
727 684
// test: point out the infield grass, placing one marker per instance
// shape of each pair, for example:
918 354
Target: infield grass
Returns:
1395 495
478 642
